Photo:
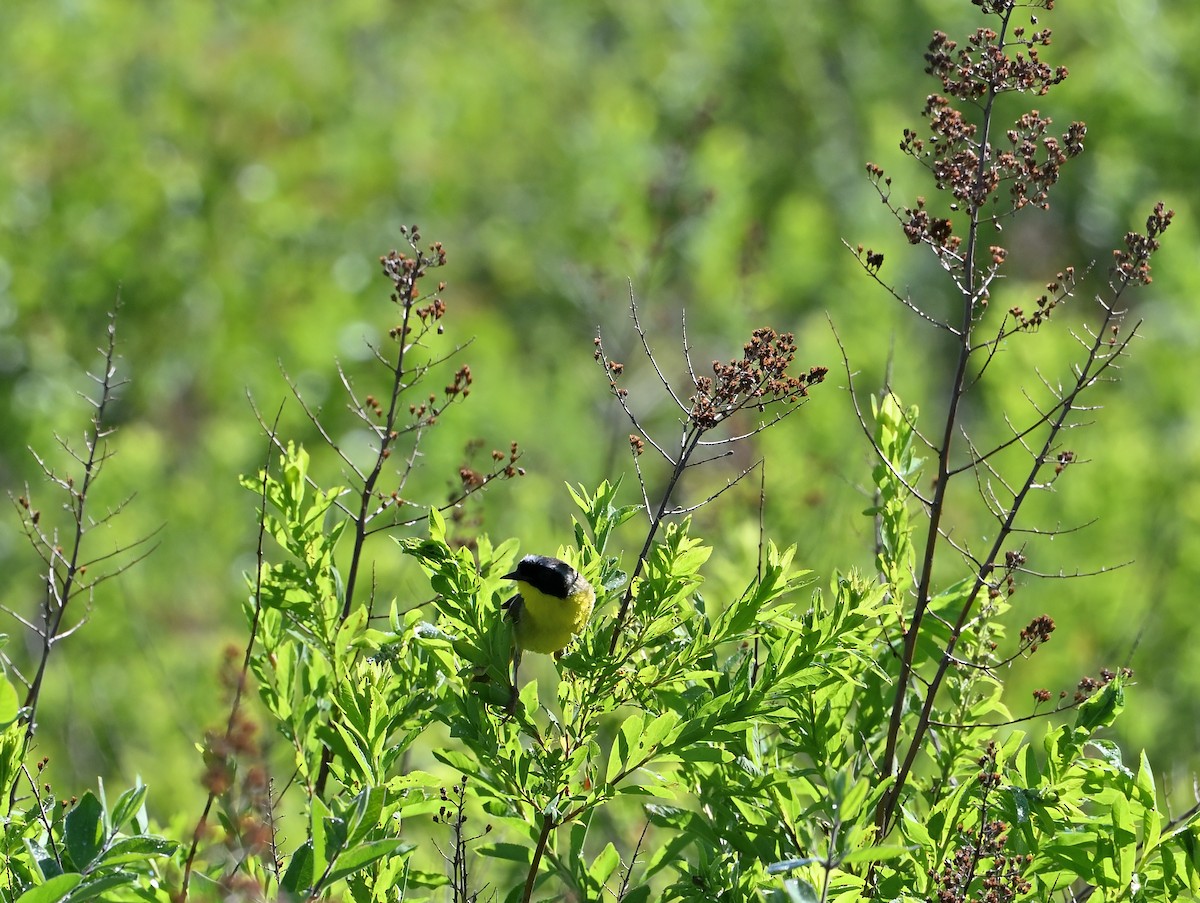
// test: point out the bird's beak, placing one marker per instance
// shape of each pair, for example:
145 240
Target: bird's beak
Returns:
512 576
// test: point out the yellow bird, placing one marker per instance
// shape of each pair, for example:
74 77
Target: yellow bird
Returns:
554 604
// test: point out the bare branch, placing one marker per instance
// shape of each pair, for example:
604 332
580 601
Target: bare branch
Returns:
873 272
862 422
729 484
637 325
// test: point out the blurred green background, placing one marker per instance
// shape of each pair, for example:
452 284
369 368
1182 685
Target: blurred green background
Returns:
232 171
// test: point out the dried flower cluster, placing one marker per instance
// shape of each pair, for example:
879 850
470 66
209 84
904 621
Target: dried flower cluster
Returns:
234 771
1057 291
1132 266
505 465
452 814
1063 460
461 384
983 67
960 154
1088 685
979 869
1013 562
1037 632
406 272
759 378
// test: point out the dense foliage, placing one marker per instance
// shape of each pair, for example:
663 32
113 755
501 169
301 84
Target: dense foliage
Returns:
729 725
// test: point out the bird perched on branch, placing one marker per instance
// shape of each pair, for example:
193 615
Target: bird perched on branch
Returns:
553 604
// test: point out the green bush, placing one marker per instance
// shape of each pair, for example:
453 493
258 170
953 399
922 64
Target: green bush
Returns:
725 727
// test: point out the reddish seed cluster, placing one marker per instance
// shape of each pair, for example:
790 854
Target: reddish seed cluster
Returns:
1088 685
33 514
419 411
614 369
759 378
1037 632
511 470
470 478
960 879
245 785
452 812
921 227
1132 266
396 265
1013 560
1031 164
971 170
1035 159
406 271
1057 291
434 310
1000 7
461 385
983 67
989 778
872 260
505 465
876 175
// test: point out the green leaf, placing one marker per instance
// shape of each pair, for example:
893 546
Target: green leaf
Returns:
787 865
128 806
512 852
136 849
57 888
1124 838
800 891
334 830
84 832
352 749
1101 709
874 854
97 887
658 729
1111 753
605 864
10 704
703 752
914 828
299 875
626 740
1145 782
637 895
437 526
851 803
319 817
361 856
364 814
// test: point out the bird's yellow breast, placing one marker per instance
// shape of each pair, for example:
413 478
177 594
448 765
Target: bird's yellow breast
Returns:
546 623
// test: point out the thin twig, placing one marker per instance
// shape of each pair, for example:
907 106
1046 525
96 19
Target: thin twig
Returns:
251 642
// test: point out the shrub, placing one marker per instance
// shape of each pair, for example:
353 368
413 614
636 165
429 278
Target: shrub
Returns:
780 741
